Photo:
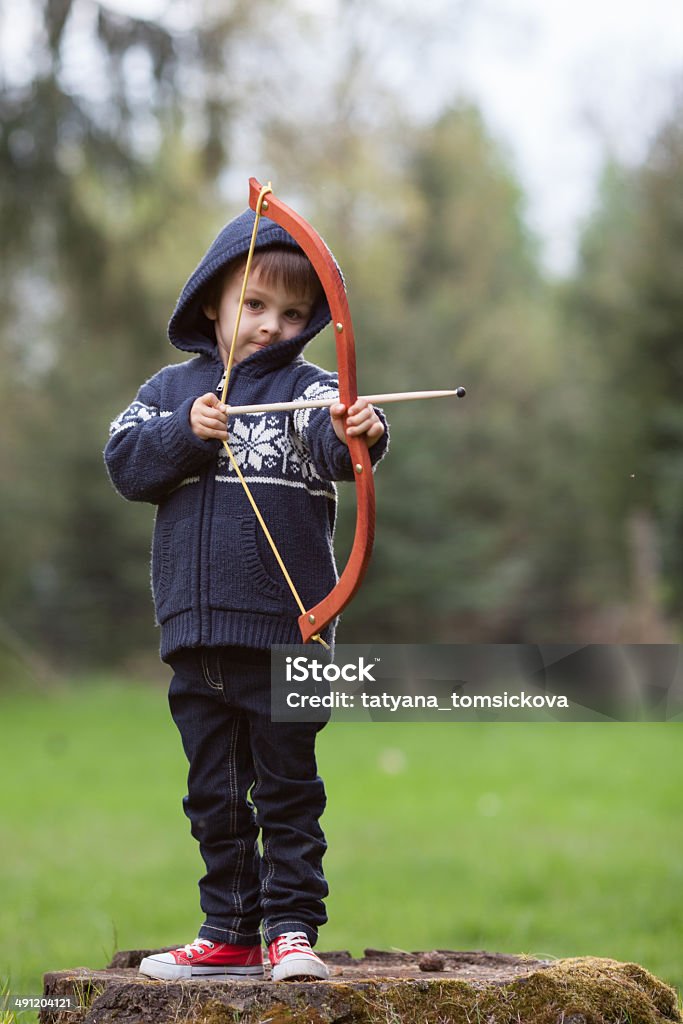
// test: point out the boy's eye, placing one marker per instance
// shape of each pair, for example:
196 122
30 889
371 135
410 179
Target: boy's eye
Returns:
294 314
253 304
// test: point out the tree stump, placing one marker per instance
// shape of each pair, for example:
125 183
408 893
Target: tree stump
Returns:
440 987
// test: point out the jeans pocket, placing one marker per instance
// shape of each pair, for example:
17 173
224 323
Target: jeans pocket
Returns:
211 670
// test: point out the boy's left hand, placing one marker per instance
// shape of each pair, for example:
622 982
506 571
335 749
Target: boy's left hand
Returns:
362 419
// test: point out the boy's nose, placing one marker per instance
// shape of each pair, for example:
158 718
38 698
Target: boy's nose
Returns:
271 326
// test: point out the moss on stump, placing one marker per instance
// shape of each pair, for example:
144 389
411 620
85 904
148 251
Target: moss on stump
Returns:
443 987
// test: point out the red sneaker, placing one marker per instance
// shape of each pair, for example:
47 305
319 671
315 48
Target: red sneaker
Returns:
291 956
205 959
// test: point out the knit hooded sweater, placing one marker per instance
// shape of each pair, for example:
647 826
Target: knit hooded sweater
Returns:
215 579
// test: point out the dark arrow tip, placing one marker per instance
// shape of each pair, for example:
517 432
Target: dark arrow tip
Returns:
460 392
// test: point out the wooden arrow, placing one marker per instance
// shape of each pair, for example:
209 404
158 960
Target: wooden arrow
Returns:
322 403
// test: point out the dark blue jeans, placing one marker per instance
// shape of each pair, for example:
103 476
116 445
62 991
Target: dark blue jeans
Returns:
249 775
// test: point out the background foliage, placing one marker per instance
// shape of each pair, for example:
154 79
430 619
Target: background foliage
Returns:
546 507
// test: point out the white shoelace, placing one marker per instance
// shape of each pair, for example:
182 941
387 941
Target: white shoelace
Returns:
197 947
292 942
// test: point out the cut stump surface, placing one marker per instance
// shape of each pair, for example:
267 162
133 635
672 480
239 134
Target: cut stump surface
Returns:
378 988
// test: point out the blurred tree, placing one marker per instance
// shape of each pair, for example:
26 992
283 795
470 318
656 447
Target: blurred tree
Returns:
480 525
108 191
657 294
626 310
472 483
598 307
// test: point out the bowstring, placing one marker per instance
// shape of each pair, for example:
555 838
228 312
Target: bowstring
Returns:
265 190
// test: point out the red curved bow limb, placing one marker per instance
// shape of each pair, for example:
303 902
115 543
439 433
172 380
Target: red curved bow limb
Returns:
314 620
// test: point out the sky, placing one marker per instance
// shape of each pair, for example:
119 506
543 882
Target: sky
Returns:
566 81
560 82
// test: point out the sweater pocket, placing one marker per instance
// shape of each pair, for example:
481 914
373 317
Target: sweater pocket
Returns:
172 565
243 572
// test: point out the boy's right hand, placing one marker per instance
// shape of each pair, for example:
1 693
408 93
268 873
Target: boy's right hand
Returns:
209 418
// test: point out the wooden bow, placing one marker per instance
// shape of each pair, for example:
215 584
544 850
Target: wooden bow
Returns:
315 619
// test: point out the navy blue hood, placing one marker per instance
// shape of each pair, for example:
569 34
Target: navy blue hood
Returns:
189 329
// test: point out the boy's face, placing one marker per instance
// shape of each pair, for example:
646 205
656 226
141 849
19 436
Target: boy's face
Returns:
270 314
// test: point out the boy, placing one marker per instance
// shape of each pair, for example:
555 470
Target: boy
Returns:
220 597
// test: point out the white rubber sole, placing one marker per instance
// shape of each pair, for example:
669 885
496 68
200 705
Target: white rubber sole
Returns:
299 967
153 968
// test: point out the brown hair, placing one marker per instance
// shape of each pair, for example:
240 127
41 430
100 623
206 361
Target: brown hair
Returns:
278 265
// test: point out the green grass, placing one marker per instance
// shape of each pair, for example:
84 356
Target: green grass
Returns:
557 840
